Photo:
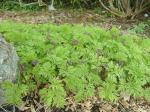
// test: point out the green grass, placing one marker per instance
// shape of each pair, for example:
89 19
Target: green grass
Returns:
83 61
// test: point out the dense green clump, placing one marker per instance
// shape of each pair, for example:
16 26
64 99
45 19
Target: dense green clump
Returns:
57 61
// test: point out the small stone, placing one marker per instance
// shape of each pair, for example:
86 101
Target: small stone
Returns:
146 15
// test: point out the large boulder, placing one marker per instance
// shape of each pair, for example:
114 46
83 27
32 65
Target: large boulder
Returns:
8 64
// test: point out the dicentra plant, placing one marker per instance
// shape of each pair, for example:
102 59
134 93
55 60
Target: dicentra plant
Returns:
58 61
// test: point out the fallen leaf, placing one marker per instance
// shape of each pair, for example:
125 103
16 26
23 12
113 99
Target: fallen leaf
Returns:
32 108
125 96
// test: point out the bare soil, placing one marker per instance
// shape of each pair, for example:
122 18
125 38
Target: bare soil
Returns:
70 16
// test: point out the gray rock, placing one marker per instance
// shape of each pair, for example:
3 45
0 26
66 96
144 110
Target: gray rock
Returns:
2 99
8 63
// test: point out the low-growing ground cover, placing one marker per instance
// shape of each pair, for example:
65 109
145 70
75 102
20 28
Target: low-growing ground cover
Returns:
82 62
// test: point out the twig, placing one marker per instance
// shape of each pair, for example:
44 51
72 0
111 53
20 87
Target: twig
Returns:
14 108
109 9
3 109
126 110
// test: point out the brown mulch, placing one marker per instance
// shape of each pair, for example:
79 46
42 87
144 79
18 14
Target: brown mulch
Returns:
67 16
92 105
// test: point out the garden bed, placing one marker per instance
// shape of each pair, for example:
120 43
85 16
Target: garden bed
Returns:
78 67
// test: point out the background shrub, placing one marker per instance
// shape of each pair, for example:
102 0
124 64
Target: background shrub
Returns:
121 8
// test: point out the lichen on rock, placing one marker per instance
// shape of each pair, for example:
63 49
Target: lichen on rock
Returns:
8 63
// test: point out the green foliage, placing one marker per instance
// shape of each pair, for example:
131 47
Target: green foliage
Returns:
108 87
140 28
34 5
14 92
15 5
54 94
77 60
